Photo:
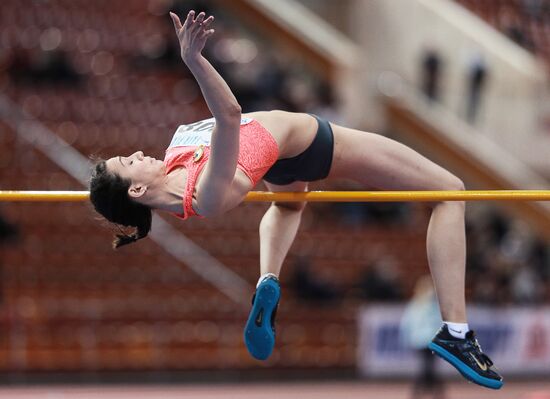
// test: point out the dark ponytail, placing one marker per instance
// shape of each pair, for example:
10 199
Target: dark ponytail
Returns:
109 196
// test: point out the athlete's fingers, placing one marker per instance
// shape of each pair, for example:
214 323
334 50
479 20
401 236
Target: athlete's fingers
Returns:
176 20
207 33
200 17
207 22
189 19
197 22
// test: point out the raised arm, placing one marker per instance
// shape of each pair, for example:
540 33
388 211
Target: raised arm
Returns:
223 105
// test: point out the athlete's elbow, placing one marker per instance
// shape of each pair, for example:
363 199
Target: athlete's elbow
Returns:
236 109
233 111
230 116
213 203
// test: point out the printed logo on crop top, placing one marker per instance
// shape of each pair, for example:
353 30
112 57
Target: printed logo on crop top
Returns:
197 133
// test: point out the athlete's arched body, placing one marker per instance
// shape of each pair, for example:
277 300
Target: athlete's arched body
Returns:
211 165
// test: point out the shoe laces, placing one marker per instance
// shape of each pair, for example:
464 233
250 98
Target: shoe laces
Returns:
479 351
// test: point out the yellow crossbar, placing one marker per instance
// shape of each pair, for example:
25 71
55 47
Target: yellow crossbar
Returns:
318 196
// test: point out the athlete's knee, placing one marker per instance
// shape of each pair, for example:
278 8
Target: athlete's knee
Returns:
292 206
452 183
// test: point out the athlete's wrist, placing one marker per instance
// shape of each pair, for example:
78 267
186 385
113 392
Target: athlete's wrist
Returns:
193 60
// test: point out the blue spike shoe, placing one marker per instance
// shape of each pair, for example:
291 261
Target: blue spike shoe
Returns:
466 356
259 332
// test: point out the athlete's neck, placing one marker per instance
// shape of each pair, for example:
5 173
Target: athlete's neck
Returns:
167 195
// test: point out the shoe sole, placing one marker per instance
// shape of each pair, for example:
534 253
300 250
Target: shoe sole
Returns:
258 336
466 371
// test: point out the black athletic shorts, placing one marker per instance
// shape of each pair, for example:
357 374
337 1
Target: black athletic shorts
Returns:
312 164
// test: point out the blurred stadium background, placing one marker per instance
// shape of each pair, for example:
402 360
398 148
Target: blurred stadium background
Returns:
465 82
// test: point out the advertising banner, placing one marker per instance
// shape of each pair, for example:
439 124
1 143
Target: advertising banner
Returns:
516 338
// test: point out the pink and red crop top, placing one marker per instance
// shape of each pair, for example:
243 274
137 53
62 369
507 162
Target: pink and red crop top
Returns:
190 149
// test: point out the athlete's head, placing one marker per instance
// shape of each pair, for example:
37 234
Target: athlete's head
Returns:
121 189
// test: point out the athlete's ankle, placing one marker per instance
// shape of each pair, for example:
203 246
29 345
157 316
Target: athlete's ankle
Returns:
457 330
264 276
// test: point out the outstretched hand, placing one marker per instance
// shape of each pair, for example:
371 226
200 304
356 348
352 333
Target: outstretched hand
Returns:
193 34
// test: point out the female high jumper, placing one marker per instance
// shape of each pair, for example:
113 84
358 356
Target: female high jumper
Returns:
211 165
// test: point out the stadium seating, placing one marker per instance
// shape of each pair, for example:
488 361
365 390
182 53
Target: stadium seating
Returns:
525 22
69 303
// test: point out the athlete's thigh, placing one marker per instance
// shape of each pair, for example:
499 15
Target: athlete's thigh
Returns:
382 163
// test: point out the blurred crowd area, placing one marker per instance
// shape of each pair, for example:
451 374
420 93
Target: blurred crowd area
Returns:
106 76
77 45
506 262
64 50
526 22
